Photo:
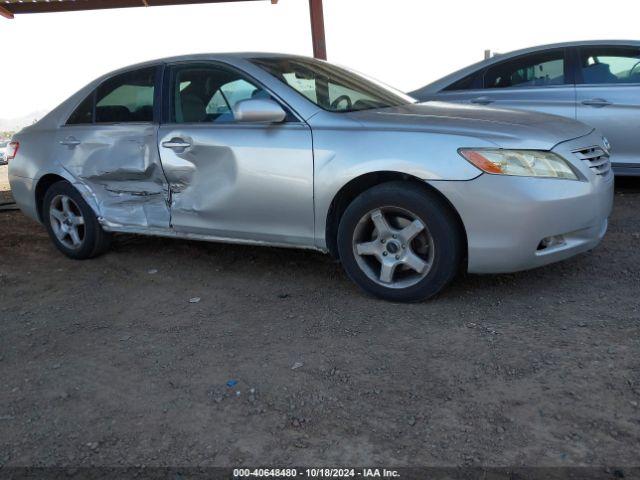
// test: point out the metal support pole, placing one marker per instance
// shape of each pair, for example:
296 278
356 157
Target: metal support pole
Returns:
317 29
5 13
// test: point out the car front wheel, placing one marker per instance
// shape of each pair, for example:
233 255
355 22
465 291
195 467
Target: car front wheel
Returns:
400 242
71 223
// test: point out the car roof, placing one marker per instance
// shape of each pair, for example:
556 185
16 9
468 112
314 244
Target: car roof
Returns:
463 72
206 57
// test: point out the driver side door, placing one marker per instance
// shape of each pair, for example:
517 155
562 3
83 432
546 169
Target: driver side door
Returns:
232 180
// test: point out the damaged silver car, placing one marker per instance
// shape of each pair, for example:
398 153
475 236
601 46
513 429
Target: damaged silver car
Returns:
289 151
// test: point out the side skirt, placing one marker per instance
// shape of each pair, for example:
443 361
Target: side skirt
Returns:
159 232
626 169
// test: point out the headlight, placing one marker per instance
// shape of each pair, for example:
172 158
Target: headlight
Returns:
522 163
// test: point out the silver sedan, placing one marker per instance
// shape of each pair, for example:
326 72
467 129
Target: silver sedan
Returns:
595 82
288 151
3 152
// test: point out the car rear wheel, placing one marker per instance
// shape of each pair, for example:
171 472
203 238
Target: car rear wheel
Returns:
71 223
400 242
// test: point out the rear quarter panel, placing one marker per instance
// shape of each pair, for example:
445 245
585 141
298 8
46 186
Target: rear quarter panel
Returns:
31 163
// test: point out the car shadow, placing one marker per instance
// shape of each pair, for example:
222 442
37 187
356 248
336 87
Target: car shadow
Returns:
627 184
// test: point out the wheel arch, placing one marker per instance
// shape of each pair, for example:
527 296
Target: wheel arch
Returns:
44 183
358 185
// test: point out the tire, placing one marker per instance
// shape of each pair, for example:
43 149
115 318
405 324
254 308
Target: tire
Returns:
424 226
61 216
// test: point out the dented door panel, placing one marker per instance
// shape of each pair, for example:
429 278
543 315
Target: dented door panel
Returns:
119 167
248 182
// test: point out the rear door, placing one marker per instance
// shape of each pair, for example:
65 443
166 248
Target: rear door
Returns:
242 181
541 82
608 97
109 145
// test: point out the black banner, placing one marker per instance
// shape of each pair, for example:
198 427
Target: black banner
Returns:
426 473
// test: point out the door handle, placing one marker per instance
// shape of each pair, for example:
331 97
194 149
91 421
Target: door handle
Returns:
176 144
70 142
482 100
596 102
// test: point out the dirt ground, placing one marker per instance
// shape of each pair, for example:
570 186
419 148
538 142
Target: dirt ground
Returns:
5 193
106 362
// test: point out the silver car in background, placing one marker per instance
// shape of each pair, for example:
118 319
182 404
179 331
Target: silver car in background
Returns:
595 82
279 150
3 151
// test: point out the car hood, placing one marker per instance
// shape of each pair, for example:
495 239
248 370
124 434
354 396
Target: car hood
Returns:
505 128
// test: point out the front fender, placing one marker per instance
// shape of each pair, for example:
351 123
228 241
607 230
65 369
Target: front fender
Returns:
341 156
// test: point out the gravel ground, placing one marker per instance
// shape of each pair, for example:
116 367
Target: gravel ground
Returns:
5 193
114 361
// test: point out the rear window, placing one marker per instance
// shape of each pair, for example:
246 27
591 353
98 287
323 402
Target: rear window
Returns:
536 70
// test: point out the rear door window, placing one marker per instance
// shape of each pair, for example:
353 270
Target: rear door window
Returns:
535 70
127 98
83 114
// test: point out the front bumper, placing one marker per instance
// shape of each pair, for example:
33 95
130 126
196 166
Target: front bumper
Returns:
507 218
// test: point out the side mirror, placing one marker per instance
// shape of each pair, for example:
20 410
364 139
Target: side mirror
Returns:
259 111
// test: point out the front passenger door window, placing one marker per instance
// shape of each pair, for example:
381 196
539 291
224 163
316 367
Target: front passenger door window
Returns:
208 94
610 65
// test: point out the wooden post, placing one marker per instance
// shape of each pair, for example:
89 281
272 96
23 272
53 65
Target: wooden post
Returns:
5 13
317 29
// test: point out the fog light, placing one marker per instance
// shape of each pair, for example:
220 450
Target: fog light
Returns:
549 242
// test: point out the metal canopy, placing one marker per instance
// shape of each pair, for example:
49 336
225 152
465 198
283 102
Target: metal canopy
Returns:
10 8
16 7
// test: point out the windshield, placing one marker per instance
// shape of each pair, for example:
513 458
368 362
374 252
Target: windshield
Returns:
331 88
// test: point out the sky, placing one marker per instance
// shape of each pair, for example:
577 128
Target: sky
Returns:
404 43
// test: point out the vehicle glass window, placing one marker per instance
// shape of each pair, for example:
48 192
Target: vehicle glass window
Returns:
207 94
330 87
469 82
305 86
127 97
83 114
538 70
610 65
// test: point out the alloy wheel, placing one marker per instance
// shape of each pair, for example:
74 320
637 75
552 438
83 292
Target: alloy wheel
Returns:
67 222
393 247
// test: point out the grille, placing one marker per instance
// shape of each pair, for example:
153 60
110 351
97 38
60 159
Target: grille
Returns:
597 158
